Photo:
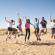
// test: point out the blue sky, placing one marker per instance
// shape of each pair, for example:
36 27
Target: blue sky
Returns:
29 8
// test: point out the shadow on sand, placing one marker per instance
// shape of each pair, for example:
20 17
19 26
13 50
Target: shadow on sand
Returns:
38 43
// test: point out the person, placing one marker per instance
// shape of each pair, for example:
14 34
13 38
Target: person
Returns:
44 26
20 25
53 28
10 28
36 26
27 27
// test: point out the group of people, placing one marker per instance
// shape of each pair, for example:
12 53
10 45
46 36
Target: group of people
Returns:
36 27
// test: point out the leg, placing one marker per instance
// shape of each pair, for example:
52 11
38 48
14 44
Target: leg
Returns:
46 30
38 36
26 35
15 34
41 31
36 33
52 33
54 36
8 36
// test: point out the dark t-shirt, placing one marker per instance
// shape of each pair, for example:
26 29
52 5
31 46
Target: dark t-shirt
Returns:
43 23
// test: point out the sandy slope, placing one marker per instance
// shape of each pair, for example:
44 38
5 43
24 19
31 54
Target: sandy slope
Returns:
19 47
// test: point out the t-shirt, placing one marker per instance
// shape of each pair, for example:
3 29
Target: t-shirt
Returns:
53 25
36 25
27 25
43 23
10 24
20 23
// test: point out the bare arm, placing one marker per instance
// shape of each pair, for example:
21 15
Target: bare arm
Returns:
7 20
51 19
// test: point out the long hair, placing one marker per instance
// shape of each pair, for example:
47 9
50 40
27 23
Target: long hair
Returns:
28 20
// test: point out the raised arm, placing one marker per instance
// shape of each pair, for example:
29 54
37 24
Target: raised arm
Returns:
51 19
7 20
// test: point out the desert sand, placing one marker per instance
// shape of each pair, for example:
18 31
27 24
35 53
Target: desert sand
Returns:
32 47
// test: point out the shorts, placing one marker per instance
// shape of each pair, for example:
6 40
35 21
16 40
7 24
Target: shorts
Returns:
43 30
12 29
9 29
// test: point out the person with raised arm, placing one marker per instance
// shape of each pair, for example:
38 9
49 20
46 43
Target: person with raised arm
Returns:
27 28
10 28
53 27
44 26
20 25
36 27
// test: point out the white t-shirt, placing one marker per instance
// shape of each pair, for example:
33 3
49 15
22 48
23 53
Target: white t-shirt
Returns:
36 24
11 24
52 25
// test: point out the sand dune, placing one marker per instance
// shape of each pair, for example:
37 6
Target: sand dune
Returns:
32 47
